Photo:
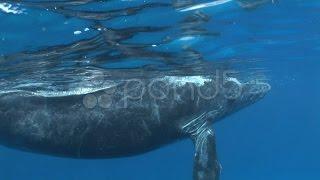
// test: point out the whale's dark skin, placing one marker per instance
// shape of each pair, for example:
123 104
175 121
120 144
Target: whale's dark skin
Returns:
118 126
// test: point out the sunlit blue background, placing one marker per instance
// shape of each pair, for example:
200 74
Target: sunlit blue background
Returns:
277 138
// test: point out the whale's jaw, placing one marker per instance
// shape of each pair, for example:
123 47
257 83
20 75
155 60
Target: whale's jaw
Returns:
255 91
249 93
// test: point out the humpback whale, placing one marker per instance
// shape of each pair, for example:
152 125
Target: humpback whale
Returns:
128 116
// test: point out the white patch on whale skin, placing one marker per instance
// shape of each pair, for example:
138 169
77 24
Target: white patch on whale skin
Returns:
76 91
60 93
235 80
183 80
155 112
8 8
34 125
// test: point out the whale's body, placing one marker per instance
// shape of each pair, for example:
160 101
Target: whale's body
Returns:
134 116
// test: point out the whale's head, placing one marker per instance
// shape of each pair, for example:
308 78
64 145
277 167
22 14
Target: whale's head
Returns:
240 95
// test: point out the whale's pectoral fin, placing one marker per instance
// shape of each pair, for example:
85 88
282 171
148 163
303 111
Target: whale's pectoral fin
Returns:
206 165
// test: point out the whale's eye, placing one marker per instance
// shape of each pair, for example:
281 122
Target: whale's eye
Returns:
232 88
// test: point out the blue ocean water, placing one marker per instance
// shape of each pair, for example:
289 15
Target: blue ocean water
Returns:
276 138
